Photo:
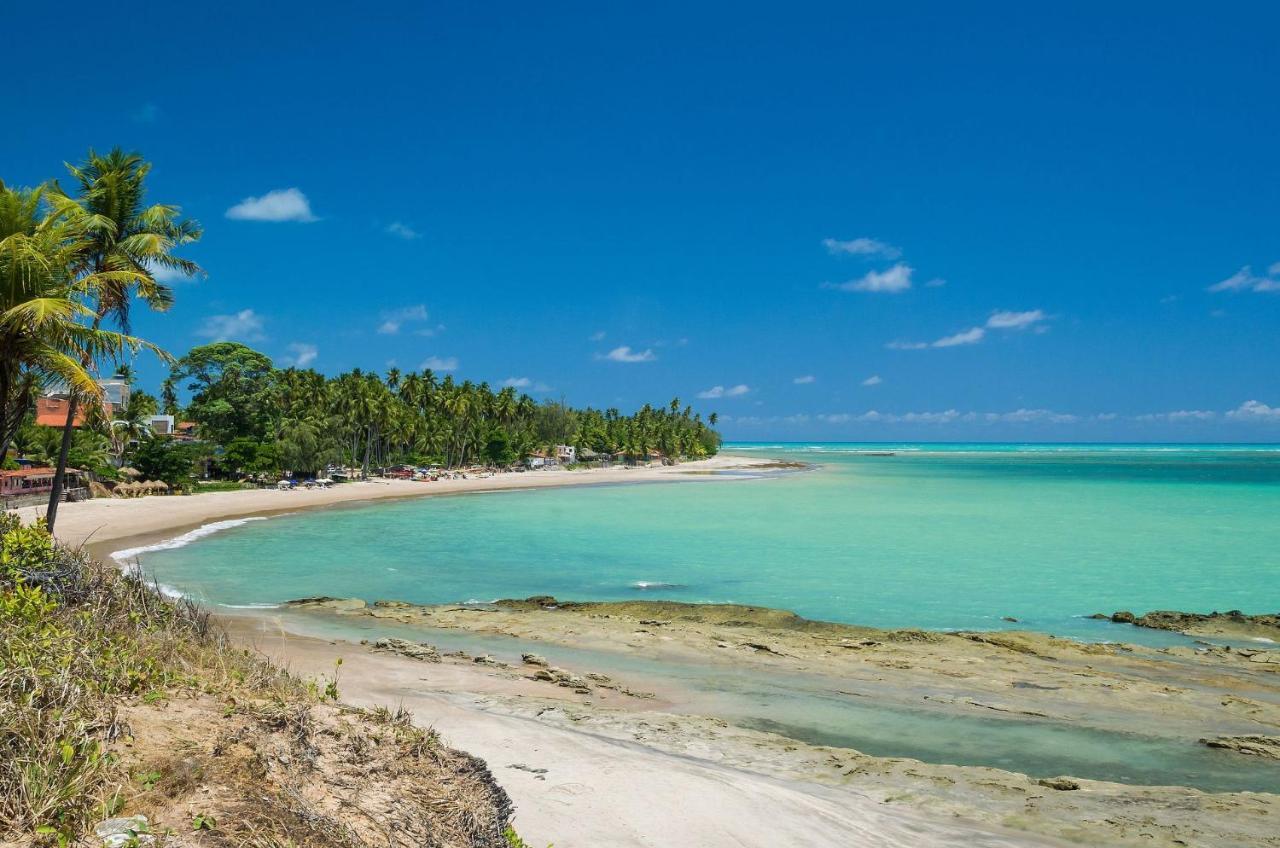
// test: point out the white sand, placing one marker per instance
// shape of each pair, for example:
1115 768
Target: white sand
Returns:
596 791
104 520
599 791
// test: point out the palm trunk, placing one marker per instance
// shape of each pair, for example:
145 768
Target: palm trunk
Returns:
59 475
68 429
368 445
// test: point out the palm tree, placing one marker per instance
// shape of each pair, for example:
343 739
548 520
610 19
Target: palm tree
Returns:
125 244
42 338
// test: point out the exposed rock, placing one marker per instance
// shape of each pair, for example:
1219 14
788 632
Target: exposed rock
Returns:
1232 623
537 602
1267 747
420 651
533 659
326 602
1009 618
130 830
485 660
914 635
1062 784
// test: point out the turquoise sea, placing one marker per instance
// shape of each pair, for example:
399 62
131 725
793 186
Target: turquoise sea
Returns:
933 536
892 535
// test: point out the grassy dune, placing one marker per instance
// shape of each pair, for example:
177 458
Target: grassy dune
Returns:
117 703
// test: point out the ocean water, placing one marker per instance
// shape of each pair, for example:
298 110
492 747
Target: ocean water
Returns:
933 536
906 535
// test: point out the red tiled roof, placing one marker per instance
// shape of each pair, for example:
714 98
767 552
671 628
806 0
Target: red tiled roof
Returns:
26 472
52 412
35 472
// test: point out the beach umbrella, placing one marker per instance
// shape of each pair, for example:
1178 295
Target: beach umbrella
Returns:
127 471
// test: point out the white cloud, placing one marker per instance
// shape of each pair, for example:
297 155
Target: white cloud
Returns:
1253 410
861 247
1007 320
436 363
169 276
873 380
722 392
624 353
973 335
1246 280
526 383
301 354
935 283
1026 416
1002 319
597 336
394 319
402 230
1178 415
805 380
283 204
896 279
245 325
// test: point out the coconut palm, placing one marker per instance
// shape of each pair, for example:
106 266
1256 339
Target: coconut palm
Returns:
43 332
125 244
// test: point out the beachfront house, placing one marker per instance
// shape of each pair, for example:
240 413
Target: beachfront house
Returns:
26 486
566 454
51 407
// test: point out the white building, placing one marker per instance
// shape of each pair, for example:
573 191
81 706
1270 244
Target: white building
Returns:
566 454
162 425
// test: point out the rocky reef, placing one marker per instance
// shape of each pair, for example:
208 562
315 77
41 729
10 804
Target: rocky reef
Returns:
1232 624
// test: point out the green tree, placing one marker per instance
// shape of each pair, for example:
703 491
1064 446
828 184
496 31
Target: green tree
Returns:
42 337
230 387
167 460
125 242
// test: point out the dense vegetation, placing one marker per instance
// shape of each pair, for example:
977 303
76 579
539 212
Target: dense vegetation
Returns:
265 419
73 264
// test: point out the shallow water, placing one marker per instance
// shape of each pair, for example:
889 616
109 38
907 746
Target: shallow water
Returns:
806 708
955 536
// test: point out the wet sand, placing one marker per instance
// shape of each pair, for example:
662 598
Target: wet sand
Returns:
622 761
1178 694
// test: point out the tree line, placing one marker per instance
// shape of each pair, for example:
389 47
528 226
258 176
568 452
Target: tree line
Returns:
74 263
264 419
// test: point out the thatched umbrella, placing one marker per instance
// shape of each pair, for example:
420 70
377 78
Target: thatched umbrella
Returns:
123 490
131 473
162 487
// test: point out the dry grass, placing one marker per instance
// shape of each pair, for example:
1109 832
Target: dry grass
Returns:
114 700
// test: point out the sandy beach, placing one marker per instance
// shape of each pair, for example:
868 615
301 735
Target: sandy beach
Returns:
600 756
578 786
103 522
816 791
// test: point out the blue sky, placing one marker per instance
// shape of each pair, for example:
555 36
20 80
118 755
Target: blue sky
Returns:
830 220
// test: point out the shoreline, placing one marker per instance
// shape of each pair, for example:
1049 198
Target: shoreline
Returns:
106 525
612 751
550 733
